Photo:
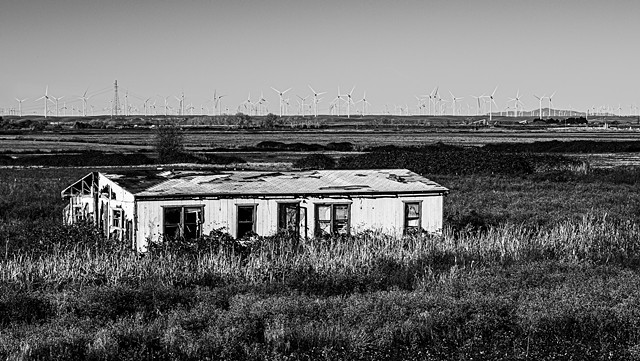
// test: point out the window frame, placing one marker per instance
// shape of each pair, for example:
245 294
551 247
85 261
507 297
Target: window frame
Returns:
181 223
120 211
254 217
282 207
332 222
406 228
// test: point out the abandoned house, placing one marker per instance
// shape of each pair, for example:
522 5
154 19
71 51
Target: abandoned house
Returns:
140 206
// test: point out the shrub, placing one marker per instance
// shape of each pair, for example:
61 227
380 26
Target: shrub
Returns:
315 161
169 143
24 307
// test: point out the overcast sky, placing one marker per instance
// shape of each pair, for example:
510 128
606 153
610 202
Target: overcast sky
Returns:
586 50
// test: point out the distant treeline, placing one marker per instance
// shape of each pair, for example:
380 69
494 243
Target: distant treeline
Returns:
574 146
97 158
278 146
448 159
580 120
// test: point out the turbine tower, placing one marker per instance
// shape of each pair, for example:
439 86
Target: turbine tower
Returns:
216 102
46 100
280 94
56 101
540 103
336 101
349 101
551 103
20 106
516 102
302 100
84 102
315 100
364 102
492 101
454 101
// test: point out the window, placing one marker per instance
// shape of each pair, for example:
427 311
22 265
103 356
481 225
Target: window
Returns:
183 222
78 213
412 216
332 219
116 219
289 217
246 220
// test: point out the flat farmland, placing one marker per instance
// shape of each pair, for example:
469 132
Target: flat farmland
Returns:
200 140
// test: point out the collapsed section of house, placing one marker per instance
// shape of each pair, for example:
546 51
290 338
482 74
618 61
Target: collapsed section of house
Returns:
140 206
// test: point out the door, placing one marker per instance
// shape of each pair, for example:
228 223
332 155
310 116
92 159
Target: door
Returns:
289 218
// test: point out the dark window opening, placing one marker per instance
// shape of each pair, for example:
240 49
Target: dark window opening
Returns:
183 222
332 219
246 220
412 216
289 218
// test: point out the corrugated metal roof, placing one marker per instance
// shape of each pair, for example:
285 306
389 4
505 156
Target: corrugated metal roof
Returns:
320 182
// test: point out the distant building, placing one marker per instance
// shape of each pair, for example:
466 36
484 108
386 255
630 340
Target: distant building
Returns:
140 206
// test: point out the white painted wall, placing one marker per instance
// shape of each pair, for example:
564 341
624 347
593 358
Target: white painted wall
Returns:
385 214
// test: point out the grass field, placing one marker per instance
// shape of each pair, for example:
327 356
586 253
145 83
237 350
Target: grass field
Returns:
132 140
529 267
532 265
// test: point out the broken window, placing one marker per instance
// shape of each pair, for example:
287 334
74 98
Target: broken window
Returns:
183 222
412 216
246 220
289 217
332 219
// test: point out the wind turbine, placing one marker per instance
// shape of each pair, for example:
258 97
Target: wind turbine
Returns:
261 103
478 98
302 100
420 104
84 99
145 106
216 102
248 104
181 101
20 105
433 98
56 101
364 103
46 100
166 106
280 94
454 101
336 101
540 103
349 102
492 101
516 102
551 103
315 100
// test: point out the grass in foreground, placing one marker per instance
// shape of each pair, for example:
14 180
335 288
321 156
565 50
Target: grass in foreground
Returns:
512 292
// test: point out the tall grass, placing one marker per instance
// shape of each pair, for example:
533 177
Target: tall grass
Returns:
512 292
342 264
